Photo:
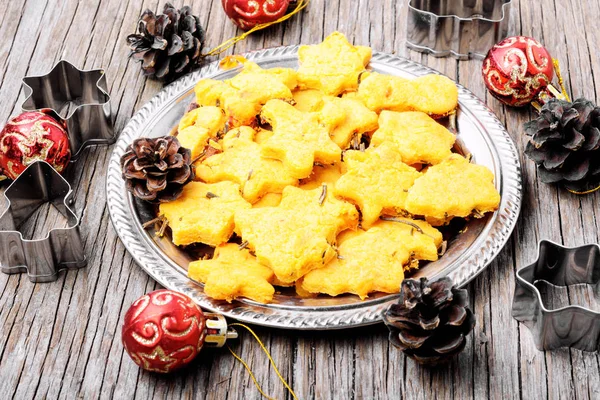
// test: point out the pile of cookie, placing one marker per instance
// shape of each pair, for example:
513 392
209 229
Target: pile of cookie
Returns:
330 178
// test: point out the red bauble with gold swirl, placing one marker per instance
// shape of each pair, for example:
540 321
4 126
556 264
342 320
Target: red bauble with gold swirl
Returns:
29 137
248 13
163 330
517 69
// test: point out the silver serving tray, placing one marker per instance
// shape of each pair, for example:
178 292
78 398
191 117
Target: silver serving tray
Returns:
480 133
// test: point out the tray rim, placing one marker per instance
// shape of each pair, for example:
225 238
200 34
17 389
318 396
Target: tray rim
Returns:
334 317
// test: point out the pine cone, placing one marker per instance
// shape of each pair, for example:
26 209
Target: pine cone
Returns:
168 44
430 321
564 144
156 170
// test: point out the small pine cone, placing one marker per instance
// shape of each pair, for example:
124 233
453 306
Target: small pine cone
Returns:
155 170
564 144
430 321
168 44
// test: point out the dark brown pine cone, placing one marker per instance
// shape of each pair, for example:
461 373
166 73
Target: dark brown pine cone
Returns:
168 44
430 321
565 142
156 170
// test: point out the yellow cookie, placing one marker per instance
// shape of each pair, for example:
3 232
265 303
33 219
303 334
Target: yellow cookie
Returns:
262 135
298 140
376 180
453 188
199 125
346 119
241 162
374 260
298 235
419 138
332 66
233 273
308 100
204 213
242 96
433 94
268 200
322 174
209 117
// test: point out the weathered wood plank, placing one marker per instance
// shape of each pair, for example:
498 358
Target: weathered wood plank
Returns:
63 339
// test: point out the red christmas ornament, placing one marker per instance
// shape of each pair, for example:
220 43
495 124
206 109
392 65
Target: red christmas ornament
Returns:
517 69
248 13
163 330
29 137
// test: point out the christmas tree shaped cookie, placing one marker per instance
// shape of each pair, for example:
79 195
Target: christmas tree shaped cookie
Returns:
298 235
233 273
347 119
332 66
418 137
204 213
298 139
242 96
376 180
453 188
241 162
433 94
374 260
199 125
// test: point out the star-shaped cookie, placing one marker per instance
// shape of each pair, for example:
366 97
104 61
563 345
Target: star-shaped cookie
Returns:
453 188
374 260
241 162
332 66
298 235
298 139
308 100
418 137
199 125
204 213
242 96
233 273
433 94
347 119
376 181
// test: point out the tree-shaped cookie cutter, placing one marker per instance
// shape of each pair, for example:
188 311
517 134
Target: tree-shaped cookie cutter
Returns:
461 28
61 248
77 97
572 326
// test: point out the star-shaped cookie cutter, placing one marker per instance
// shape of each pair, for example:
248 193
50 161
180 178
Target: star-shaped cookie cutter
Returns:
572 326
60 248
463 29
77 97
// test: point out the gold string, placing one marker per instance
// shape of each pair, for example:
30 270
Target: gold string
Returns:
561 82
270 359
230 42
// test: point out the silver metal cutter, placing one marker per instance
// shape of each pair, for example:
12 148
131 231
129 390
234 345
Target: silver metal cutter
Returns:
461 28
571 326
77 97
38 184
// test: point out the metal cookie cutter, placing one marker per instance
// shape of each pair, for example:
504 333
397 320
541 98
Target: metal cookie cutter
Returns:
571 326
461 28
62 248
79 98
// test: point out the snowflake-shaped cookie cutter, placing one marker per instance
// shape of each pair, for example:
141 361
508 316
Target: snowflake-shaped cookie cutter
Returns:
79 98
571 326
59 248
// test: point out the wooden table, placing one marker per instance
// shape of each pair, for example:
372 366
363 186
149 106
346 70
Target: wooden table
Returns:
62 339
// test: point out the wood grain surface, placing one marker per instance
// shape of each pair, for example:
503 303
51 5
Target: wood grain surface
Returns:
62 339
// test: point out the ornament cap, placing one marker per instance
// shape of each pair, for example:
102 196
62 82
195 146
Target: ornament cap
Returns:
217 331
